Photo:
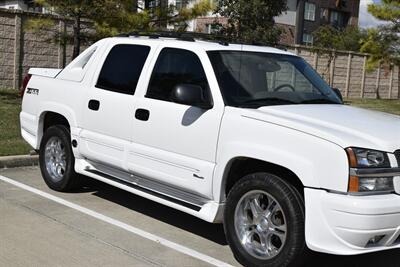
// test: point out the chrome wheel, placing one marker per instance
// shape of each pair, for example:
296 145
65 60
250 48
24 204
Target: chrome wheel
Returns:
260 224
55 158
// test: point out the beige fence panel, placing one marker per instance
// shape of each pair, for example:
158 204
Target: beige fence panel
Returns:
21 50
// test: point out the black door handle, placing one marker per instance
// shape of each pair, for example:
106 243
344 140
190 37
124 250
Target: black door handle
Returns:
142 114
94 104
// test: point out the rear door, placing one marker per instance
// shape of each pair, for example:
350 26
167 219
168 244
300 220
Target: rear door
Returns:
174 143
109 106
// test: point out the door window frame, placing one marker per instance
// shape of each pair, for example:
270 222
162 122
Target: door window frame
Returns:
116 90
201 53
154 64
103 57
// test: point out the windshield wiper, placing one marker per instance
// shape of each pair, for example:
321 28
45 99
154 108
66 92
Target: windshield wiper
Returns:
319 101
265 102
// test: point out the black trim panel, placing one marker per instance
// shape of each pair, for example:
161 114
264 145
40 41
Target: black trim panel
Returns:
397 154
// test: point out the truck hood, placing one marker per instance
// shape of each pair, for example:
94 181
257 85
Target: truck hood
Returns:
344 125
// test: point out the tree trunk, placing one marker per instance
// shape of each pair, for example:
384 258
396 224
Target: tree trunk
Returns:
77 36
135 6
164 17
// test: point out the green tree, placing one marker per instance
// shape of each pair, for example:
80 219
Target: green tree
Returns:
327 39
110 17
251 21
383 43
349 39
387 10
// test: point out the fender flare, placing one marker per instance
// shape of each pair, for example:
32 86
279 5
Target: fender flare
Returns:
57 108
301 167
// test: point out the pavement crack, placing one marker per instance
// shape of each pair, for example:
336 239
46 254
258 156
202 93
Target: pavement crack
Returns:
89 235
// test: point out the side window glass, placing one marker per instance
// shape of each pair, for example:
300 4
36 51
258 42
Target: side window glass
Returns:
122 68
173 67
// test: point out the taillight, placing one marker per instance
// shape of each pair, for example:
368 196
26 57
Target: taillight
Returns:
24 85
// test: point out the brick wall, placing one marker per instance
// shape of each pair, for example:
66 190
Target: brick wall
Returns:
21 50
288 34
203 22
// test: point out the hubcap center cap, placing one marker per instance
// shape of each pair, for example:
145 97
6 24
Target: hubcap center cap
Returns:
263 224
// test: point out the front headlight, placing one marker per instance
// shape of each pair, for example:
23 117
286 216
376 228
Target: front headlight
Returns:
372 184
368 159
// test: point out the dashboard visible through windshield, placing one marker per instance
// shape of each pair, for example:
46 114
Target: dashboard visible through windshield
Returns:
255 79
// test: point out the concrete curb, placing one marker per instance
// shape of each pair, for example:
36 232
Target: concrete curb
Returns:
18 161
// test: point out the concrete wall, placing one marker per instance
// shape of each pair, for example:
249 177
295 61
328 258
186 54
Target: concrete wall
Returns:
7 47
21 50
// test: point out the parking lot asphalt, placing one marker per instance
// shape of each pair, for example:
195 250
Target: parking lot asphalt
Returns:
38 231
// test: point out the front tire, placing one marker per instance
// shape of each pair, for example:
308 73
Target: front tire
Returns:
57 160
264 222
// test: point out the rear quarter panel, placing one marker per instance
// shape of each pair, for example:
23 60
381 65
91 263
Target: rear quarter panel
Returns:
53 95
59 95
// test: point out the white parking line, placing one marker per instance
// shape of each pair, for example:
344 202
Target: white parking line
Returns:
127 227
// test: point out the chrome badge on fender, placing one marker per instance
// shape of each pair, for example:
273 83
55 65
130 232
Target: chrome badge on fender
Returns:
32 91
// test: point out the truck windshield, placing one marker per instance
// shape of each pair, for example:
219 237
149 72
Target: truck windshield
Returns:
256 79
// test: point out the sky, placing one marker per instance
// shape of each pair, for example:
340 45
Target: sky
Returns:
366 19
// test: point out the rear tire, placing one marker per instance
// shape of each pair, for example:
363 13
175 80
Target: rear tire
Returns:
57 160
264 222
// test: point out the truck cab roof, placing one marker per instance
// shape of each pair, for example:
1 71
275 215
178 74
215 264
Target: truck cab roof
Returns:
207 45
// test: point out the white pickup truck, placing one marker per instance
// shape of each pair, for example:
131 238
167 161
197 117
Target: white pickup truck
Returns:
245 135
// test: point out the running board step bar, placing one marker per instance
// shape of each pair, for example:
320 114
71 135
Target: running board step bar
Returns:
149 186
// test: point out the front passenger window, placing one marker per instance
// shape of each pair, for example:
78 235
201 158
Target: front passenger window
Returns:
173 67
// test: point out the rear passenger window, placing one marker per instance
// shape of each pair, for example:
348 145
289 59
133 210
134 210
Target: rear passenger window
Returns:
122 68
173 67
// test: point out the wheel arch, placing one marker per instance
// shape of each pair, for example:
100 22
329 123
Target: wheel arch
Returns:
238 167
51 116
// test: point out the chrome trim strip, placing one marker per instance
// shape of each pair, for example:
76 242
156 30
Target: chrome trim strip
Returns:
133 153
101 143
148 184
375 172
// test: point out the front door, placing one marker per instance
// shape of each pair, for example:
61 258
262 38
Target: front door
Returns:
174 143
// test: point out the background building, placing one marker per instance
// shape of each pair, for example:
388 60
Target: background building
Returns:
302 18
27 5
305 17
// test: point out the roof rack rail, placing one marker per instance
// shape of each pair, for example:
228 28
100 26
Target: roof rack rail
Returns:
184 36
192 36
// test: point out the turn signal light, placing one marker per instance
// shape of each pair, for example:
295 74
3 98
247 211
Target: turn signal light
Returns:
352 158
354 184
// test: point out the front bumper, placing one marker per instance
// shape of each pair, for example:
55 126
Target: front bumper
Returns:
346 225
